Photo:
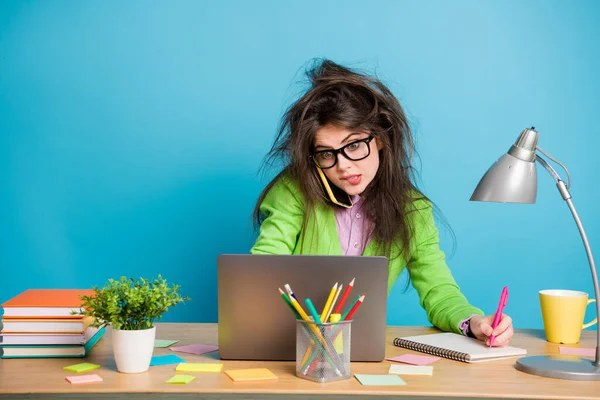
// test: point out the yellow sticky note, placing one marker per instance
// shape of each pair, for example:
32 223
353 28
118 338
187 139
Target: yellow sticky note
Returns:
194 367
81 367
252 374
181 379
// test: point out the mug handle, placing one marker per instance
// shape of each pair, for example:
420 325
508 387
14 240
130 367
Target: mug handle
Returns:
590 301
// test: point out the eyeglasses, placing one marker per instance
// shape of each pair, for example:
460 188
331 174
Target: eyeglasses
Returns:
355 151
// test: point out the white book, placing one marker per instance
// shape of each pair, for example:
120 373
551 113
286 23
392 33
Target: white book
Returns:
47 338
457 347
36 325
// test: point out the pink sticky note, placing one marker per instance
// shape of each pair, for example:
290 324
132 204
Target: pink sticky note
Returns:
414 359
77 379
578 351
195 348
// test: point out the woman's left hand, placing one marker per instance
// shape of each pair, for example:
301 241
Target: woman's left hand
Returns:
481 327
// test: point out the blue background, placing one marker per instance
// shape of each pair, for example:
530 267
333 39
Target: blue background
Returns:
131 133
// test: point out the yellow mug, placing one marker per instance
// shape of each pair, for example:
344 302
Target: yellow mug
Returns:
563 312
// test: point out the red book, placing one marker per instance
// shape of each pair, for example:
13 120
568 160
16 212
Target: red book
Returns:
45 303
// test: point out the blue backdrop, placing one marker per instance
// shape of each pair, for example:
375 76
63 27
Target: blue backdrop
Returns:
131 133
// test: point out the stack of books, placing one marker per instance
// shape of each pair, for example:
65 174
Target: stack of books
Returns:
38 323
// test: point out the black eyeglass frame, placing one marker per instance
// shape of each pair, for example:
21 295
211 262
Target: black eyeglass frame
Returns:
342 150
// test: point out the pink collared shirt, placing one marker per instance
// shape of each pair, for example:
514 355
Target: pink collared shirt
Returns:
352 227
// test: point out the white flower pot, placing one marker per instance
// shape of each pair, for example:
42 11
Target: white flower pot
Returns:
133 349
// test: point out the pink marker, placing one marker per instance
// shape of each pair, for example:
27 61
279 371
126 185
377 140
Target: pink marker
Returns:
498 317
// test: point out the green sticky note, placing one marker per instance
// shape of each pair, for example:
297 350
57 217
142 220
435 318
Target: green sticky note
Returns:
182 379
379 380
81 367
164 343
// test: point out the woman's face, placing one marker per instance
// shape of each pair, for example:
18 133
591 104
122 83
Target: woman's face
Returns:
351 176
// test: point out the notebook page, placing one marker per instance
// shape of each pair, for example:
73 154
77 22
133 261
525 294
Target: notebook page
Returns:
477 350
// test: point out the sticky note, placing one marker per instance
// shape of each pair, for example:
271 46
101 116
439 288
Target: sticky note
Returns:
195 348
195 367
164 342
165 360
411 369
252 374
379 380
578 351
81 367
414 359
181 379
78 379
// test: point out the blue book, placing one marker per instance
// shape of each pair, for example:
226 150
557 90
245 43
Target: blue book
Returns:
50 351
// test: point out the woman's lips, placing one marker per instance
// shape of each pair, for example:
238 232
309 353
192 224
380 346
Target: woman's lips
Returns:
353 179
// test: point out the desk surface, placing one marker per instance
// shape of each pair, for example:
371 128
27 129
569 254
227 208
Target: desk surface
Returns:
451 379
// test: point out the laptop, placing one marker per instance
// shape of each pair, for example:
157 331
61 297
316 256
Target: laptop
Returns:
255 323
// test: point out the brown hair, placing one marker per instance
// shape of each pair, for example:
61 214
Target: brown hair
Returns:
350 100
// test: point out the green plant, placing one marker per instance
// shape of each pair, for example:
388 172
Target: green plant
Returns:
127 304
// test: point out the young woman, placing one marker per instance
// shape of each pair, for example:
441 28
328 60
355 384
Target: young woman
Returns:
347 189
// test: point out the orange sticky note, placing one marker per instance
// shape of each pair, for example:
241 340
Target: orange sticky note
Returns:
77 379
252 374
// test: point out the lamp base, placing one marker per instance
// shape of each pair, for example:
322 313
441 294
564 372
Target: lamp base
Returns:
561 367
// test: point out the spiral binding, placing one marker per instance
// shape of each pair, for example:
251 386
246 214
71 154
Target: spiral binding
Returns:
433 350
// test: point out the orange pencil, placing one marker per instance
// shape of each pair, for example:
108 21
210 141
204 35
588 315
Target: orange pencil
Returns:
338 308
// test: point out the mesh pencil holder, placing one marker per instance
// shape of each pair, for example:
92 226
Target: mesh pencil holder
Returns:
323 351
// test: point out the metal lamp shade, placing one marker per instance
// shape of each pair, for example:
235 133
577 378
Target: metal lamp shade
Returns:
509 180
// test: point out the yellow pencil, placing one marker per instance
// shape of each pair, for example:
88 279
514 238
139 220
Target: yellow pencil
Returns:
333 302
328 303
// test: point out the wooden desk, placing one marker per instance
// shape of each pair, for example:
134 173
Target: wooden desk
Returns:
44 378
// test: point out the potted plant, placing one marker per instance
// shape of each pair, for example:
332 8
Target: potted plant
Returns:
130 308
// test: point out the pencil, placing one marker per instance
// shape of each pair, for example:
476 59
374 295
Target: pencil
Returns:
337 294
328 303
344 315
344 296
289 303
355 307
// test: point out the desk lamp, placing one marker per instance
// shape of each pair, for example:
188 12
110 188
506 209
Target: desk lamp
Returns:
513 179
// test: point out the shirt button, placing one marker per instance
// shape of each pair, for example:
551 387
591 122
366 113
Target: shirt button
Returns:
358 215
355 245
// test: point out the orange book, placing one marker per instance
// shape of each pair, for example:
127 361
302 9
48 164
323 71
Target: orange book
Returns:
45 303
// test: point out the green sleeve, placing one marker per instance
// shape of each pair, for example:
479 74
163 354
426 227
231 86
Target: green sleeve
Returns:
439 294
283 210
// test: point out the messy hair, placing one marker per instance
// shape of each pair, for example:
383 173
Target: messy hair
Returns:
350 100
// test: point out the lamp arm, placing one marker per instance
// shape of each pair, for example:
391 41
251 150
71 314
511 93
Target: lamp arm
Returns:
566 195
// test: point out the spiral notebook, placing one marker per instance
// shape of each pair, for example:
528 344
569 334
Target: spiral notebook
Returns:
457 347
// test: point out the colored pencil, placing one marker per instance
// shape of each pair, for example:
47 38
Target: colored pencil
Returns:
344 296
355 307
344 315
337 294
328 303
289 303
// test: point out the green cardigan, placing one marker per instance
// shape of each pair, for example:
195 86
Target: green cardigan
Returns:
281 233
